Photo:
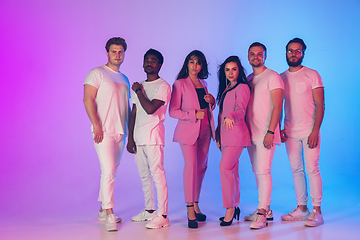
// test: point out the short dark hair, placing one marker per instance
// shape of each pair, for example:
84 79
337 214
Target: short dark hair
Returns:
257 44
156 53
203 74
297 40
116 41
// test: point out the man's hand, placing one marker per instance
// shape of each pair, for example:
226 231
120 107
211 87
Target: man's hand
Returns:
98 134
313 139
283 136
268 140
131 146
229 123
200 114
135 86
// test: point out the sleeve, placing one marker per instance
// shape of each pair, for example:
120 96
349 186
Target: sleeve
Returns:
175 106
163 93
212 106
275 82
316 80
242 97
93 78
134 98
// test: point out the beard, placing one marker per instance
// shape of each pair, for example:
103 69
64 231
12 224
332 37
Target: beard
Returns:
294 64
256 65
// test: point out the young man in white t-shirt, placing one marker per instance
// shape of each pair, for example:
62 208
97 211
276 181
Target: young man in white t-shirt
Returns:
147 139
304 112
106 100
263 116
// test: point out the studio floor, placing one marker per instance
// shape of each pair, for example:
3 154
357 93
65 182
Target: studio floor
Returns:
341 224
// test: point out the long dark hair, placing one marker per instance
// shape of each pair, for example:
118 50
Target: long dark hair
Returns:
203 74
223 82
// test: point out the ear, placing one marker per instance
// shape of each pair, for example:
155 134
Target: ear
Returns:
265 57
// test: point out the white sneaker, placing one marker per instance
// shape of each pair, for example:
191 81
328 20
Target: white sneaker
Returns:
102 216
110 223
315 219
158 222
144 216
259 222
296 215
251 217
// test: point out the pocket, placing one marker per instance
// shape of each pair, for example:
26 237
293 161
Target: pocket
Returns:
300 87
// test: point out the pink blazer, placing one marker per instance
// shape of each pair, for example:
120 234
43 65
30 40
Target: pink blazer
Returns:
183 105
234 107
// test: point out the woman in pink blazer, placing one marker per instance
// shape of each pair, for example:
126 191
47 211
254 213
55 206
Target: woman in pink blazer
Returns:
192 105
232 134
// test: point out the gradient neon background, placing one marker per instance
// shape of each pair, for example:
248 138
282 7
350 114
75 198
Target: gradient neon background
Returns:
48 162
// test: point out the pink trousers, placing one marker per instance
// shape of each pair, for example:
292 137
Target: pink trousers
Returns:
229 175
195 158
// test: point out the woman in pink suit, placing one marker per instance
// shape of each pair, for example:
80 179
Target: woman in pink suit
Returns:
192 105
232 134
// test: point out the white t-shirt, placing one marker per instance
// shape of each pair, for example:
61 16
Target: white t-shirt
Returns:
112 98
149 129
260 105
299 102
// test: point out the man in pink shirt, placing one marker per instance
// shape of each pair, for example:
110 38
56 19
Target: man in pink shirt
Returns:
106 100
263 116
304 112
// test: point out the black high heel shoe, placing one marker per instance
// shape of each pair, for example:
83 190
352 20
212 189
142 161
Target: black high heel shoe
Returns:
200 216
236 214
192 223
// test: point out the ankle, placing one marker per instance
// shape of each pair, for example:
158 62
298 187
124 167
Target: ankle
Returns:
150 211
303 208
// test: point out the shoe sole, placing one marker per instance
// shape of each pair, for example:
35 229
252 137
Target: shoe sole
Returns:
259 227
295 219
315 224
157 227
103 220
111 228
142 220
268 219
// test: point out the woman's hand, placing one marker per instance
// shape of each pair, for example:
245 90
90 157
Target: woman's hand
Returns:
209 98
200 114
229 123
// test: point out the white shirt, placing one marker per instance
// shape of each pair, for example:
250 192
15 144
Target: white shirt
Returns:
299 103
260 105
149 129
112 98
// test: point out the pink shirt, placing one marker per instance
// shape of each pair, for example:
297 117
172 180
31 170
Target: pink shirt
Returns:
299 103
260 104
112 98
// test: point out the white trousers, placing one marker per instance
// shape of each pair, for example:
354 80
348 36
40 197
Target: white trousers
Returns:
150 162
109 152
298 150
261 160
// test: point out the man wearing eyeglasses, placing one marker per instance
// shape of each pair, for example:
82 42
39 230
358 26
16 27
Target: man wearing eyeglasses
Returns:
304 112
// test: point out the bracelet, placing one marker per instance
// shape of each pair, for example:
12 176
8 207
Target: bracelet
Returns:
271 132
138 89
